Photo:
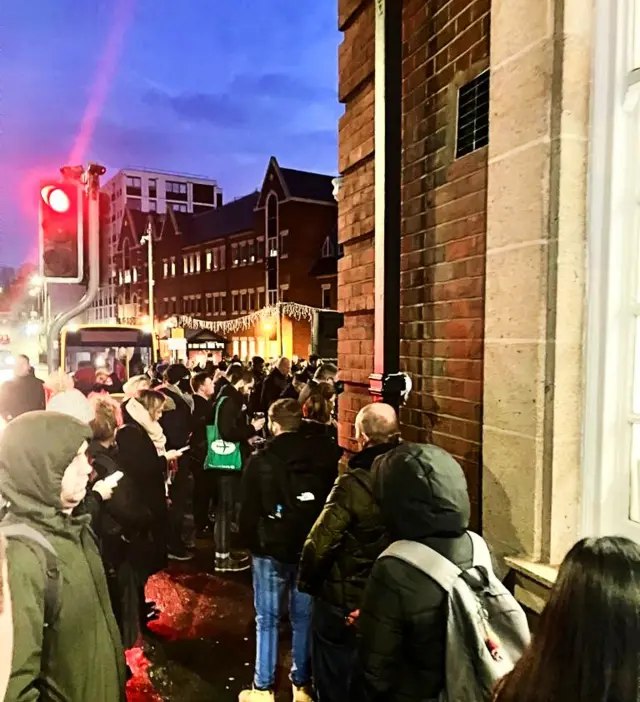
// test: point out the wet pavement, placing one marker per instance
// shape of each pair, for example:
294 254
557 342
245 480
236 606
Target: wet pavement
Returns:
203 645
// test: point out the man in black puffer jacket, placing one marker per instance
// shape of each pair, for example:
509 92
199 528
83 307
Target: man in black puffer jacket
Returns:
423 497
341 550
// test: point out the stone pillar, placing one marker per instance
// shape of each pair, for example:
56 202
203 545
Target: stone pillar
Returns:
535 276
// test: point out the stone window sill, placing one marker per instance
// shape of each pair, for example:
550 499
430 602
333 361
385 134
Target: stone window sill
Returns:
533 582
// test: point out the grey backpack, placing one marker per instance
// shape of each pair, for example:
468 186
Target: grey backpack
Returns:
487 630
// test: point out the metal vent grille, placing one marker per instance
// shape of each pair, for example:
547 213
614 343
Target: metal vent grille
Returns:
473 115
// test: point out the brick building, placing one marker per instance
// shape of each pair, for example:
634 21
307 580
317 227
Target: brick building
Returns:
477 260
442 220
275 245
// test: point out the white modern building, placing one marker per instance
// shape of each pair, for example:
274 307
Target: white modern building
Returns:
147 191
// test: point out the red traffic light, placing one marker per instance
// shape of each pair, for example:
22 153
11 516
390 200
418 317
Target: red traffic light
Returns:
55 198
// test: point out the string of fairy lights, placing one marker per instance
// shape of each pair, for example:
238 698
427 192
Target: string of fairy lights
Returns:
269 314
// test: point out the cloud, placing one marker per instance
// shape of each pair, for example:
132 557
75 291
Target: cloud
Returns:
218 110
248 101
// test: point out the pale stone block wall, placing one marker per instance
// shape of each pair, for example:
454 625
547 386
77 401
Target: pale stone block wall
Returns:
535 281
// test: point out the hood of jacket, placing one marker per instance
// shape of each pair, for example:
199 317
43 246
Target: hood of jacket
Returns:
35 450
422 492
364 459
296 449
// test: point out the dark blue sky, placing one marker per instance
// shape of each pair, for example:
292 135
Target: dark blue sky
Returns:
210 87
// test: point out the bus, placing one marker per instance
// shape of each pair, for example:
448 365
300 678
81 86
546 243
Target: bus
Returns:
122 350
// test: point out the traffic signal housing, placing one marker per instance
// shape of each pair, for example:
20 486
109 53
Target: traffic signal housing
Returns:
61 226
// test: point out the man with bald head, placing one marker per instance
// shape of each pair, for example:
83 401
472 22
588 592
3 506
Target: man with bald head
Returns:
340 551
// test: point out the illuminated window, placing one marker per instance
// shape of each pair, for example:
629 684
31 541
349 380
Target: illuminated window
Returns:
173 266
165 268
209 259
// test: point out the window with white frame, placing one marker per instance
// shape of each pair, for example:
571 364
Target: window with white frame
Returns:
197 256
134 274
242 253
243 301
327 248
252 251
185 265
222 253
260 248
173 266
234 302
326 296
165 267
611 450
284 244
234 255
208 259
284 292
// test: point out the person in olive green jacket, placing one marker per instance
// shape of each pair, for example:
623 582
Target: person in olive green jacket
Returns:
78 657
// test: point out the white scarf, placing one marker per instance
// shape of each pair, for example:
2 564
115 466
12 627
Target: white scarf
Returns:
153 429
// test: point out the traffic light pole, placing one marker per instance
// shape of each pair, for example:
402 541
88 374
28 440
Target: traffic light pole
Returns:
92 179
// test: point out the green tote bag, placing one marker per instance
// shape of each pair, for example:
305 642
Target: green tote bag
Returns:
221 455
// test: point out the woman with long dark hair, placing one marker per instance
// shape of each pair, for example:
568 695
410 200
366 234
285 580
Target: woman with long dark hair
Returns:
587 644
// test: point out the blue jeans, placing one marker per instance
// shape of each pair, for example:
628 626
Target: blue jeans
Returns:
270 578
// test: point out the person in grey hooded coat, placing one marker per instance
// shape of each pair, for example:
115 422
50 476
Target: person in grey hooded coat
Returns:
76 655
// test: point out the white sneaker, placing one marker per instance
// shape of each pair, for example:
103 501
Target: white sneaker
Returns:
256 696
302 694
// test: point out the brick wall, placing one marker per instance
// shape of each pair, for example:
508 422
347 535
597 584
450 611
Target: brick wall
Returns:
443 232
355 209
445 44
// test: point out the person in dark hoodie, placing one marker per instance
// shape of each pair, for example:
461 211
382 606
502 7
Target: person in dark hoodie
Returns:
76 655
423 496
340 551
234 426
284 487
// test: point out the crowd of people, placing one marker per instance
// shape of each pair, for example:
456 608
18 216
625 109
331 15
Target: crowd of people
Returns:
371 552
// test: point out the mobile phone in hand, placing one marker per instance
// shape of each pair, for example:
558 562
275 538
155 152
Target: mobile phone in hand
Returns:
113 479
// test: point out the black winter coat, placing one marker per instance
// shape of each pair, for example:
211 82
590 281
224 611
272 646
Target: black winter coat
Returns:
139 461
273 386
20 395
176 424
201 417
292 461
402 625
124 515
347 537
233 420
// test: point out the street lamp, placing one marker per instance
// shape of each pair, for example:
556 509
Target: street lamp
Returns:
148 240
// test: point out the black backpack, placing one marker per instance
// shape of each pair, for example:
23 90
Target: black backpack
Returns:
293 496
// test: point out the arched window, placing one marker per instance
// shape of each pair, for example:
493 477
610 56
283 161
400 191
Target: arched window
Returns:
126 256
272 224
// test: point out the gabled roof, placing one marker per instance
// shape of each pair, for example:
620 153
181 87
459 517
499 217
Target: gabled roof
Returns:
309 186
134 225
233 218
299 185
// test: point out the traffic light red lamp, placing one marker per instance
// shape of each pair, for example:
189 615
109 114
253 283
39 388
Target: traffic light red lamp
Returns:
61 217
